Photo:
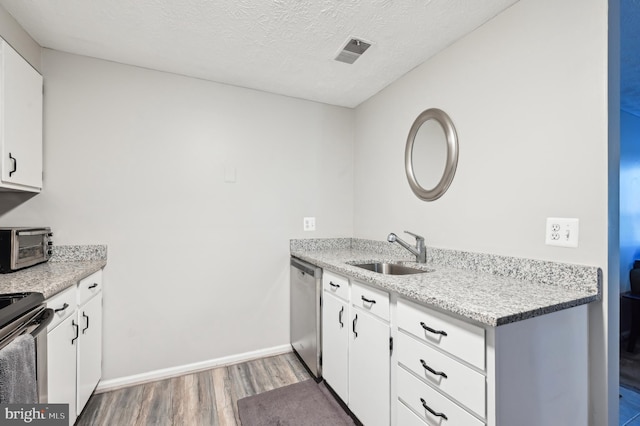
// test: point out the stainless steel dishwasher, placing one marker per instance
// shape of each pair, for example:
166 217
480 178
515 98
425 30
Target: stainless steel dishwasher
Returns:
306 314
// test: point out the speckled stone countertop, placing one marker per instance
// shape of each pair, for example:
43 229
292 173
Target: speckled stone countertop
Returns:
72 264
488 289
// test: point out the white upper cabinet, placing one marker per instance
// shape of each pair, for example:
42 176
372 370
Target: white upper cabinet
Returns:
20 122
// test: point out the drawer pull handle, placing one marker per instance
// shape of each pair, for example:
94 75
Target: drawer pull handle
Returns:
87 318
64 307
355 321
15 164
368 300
74 325
331 283
94 285
340 317
426 407
431 370
431 330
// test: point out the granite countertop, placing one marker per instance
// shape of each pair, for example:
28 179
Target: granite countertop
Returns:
49 278
68 265
501 296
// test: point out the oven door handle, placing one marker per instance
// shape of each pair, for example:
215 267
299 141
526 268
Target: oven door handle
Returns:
44 319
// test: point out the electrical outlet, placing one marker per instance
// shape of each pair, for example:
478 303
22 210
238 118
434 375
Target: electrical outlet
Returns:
309 224
562 232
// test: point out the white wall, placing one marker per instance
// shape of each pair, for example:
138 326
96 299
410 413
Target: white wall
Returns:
135 159
528 94
19 39
197 268
629 195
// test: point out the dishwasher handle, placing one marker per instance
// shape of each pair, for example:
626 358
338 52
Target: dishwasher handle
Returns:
306 268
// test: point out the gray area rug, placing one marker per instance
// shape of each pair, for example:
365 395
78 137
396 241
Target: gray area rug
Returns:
302 404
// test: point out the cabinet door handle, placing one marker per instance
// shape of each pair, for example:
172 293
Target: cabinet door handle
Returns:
431 370
426 407
87 318
368 300
355 321
431 330
340 317
64 307
73 323
15 164
94 285
333 285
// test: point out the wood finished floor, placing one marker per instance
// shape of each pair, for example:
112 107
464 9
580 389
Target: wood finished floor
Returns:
205 398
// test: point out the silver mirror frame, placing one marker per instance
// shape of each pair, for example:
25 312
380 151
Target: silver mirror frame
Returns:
452 155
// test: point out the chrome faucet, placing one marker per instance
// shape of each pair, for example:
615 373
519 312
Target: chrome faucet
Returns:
419 251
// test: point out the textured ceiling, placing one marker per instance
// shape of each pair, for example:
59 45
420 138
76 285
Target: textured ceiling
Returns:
630 56
280 46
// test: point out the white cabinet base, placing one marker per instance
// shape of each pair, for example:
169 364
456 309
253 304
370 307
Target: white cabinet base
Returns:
537 370
335 345
74 339
89 349
61 366
369 364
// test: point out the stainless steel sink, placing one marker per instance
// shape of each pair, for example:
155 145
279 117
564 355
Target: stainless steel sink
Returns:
390 268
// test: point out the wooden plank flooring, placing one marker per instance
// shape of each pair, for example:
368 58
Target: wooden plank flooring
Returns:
206 398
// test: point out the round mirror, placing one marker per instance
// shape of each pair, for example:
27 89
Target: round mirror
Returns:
431 154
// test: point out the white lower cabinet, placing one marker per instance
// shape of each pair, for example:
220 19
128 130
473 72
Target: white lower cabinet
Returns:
61 365
445 370
356 347
89 349
527 373
433 407
335 344
369 362
74 344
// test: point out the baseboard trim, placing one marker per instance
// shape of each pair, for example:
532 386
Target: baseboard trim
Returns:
167 373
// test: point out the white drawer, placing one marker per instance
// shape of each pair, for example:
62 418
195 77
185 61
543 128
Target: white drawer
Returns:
370 299
89 286
335 284
63 304
462 383
418 395
459 338
407 417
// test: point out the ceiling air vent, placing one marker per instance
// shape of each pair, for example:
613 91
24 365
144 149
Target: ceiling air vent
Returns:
352 51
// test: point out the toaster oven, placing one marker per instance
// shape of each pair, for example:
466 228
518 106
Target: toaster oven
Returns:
24 247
